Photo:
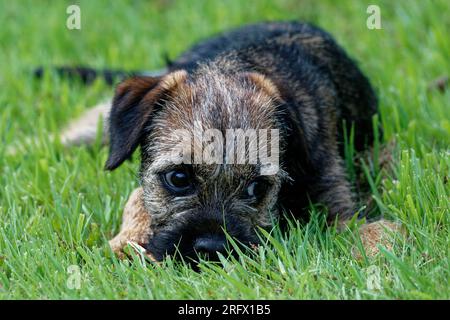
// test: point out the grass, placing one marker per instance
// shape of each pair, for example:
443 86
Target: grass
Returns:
58 207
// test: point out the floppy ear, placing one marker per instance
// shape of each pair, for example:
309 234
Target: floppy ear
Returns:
263 83
132 108
297 154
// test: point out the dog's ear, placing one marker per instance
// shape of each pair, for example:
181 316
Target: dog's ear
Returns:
262 83
134 103
297 153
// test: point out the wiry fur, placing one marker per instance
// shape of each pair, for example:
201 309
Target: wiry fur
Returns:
287 76
214 99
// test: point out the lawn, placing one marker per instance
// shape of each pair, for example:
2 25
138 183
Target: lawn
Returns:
58 206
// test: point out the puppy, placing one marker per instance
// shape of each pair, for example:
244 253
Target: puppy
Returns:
287 79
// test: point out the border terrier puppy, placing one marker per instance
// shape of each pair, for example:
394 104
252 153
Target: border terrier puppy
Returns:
290 79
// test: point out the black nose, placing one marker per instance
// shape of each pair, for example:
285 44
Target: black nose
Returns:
210 245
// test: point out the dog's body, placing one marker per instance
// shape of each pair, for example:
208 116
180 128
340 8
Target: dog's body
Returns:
289 77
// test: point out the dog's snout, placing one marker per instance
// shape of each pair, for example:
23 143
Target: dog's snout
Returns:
210 245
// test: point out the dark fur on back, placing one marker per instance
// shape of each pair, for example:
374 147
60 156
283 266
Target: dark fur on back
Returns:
294 55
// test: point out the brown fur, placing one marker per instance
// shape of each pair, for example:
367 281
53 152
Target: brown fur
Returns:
373 235
136 224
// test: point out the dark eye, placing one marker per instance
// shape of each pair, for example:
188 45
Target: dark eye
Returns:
257 189
178 180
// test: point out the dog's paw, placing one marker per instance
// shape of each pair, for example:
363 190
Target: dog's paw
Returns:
136 226
84 129
377 233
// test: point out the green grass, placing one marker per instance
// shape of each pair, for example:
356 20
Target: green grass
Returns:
58 207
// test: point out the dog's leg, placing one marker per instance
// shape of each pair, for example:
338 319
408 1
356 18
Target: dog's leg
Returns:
136 225
84 129
80 131
376 233
332 189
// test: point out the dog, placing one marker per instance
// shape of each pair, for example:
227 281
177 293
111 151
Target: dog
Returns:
289 78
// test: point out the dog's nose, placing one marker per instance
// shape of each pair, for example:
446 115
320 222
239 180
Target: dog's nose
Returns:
210 245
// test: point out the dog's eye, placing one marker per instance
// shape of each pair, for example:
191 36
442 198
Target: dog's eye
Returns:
257 189
178 180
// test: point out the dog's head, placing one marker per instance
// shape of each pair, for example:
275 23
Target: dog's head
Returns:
202 137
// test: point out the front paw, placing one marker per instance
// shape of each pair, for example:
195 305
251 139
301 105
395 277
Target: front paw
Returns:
136 226
373 234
